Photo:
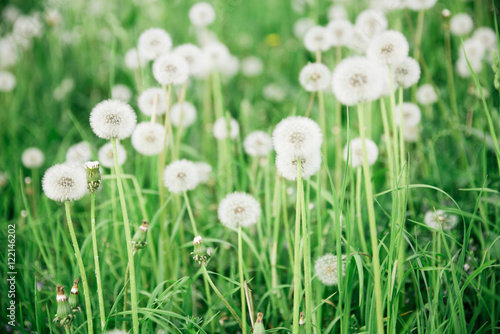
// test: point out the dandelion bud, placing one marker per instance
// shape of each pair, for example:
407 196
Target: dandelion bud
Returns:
73 296
200 252
64 314
446 13
302 320
93 175
139 239
259 326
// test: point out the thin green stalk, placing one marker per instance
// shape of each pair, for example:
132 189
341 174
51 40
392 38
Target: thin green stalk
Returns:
387 135
133 287
359 218
242 283
96 261
373 227
307 259
86 291
296 267
190 213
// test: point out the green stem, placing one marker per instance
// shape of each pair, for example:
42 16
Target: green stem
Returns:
133 287
307 260
361 230
296 267
190 213
242 283
86 291
96 261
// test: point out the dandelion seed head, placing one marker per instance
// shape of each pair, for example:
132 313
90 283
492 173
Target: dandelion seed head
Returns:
315 77
436 218
474 49
461 24
486 36
151 99
337 12
191 54
317 39
239 209
274 92
204 171
133 60
153 43
8 53
287 164
297 135
389 47
202 14
32 157
65 182
183 114
356 152
420 4
407 72
258 144
28 26
426 95
7 81
148 138
371 22
217 55
326 269
106 157
411 133
301 26
340 32
411 114
463 69
170 69
252 66
180 176
231 67
220 128
79 153
113 119
121 92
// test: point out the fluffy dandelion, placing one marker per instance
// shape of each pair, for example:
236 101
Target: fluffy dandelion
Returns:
239 209
106 157
359 40
170 69
337 12
389 47
317 39
287 164
461 24
8 53
426 95
152 100
474 50
371 22
202 14
79 153
65 182
438 218
121 92
217 55
274 92
220 128
148 138
183 114
486 36
315 77
133 60
407 72
326 269
411 133
356 152
153 43
357 79
7 81
301 26
204 171
411 114
113 119
180 176
191 54
340 32
258 144
252 66
297 135
231 68
463 69
32 157
420 4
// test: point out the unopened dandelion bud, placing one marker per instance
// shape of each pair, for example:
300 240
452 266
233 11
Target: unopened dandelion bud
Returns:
93 175
200 252
64 315
302 320
139 239
73 296
259 326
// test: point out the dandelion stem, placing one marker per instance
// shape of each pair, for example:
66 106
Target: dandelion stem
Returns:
361 230
190 213
242 283
133 291
296 267
86 292
96 261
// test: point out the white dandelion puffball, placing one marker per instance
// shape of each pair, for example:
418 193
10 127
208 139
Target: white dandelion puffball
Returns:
337 12
356 152
148 138
191 54
461 24
463 69
106 157
340 32
252 66
326 269
231 68
258 144
411 114
202 14
357 79
79 153
386 81
65 182
359 40
204 171
389 47
436 218
426 95
153 43
121 92
301 26
474 50
486 36
28 26
113 119
32 157
371 22
133 60
7 81
274 92
180 176
217 55
152 100
420 4
317 39
407 72
287 164
239 209
315 77
170 69
221 128
298 135
411 134
10 13
8 53
183 114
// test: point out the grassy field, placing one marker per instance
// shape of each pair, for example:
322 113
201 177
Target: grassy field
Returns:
404 238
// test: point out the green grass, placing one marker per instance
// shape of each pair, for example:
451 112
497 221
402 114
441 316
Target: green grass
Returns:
447 281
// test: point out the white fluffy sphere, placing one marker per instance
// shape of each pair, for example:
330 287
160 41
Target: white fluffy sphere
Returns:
411 114
301 26
79 153
287 164
153 43
486 36
407 72
326 269
426 95
148 138
106 157
239 209
340 32
133 60
252 66
152 99
170 69
439 217
121 92
65 182
297 135
32 157
315 77
356 152
420 4
7 81
221 128
183 114
202 14
461 24
204 171
191 54
317 39
113 119
180 176
371 22
337 12
389 47
258 144
217 55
